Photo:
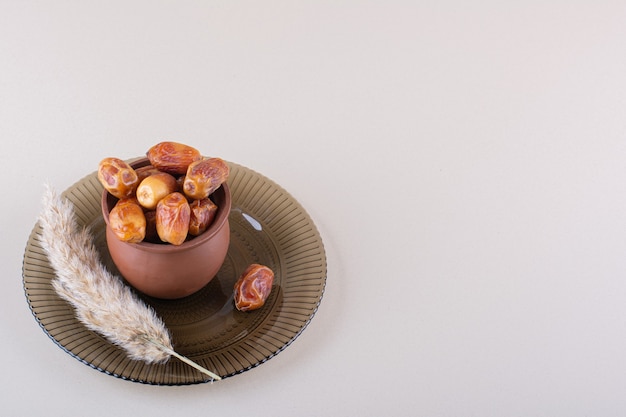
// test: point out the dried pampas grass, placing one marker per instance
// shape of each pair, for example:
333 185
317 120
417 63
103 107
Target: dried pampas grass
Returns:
103 303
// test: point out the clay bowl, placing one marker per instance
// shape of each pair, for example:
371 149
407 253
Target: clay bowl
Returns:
168 271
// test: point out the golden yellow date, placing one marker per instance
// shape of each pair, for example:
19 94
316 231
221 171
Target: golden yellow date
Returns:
205 176
172 218
127 220
117 177
172 157
202 215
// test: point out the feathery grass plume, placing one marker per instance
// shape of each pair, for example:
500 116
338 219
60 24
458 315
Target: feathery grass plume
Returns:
102 302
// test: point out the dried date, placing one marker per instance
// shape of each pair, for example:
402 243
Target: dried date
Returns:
127 221
205 176
202 215
154 187
172 218
253 287
117 177
172 157
145 171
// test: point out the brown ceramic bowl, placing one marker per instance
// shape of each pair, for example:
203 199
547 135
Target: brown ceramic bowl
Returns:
169 271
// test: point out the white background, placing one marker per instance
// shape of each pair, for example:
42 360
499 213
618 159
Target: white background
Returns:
463 161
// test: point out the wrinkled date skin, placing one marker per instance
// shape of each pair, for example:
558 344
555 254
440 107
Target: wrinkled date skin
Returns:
117 177
127 221
253 287
205 176
172 218
145 172
202 215
172 157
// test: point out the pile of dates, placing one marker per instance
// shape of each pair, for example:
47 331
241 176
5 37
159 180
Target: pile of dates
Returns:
168 201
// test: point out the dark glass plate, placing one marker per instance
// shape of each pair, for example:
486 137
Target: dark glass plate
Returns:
268 226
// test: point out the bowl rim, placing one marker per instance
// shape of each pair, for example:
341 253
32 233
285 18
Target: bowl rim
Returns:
221 219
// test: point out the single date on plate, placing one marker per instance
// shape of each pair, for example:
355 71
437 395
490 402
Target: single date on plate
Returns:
253 287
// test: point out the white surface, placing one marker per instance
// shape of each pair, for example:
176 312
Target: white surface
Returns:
464 162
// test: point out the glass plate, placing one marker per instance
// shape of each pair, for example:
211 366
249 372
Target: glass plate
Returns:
268 226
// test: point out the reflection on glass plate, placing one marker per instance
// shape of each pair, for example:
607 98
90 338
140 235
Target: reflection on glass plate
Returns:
267 226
